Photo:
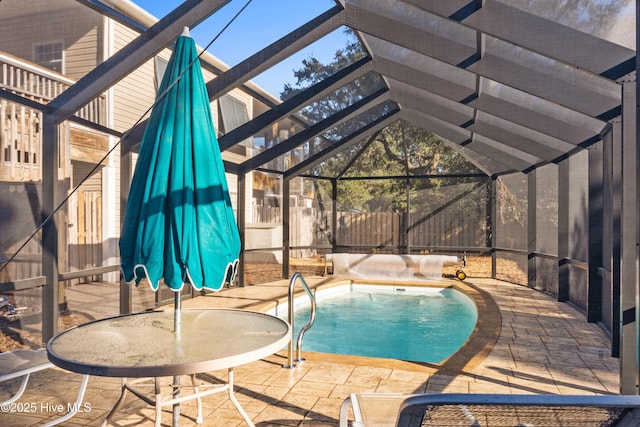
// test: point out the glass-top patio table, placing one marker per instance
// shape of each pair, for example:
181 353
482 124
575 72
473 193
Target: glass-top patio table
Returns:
144 346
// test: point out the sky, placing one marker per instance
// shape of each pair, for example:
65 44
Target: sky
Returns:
261 23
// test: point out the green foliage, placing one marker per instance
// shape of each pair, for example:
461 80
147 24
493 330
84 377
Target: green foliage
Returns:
399 151
590 16
313 71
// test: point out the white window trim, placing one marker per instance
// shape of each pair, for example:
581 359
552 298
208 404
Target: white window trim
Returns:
34 46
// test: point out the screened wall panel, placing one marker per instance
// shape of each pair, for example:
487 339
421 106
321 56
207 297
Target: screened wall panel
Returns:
546 220
449 213
417 216
22 319
512 267
375 219
307 223
322 208
578 224
263 266
263 237
310 225
19 215
511 233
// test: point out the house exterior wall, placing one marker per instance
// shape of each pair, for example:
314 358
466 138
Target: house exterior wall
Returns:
88 39
134 94
76 26
232 180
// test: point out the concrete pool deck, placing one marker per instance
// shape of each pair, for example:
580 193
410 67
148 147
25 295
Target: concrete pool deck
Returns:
525 342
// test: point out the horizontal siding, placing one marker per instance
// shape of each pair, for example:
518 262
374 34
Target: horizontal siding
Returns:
134 94
19 33
82 56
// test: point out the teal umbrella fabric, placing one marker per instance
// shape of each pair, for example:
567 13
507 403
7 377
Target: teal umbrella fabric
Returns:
179 224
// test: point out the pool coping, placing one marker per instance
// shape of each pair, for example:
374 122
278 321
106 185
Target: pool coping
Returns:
477 347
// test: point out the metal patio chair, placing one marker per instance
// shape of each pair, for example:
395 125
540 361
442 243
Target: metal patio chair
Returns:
490 410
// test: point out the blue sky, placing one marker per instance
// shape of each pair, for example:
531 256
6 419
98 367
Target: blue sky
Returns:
260 24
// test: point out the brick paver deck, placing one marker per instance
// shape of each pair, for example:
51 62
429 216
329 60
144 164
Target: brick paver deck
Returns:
525 343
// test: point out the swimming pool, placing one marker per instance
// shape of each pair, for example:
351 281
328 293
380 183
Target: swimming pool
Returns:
421 324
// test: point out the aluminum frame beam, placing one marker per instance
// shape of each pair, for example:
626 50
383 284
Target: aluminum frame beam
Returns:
386 21
630 239
277 51
306 97
553 40
130 57
315 130
346 142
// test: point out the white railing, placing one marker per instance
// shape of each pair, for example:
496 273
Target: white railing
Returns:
42 85
21 125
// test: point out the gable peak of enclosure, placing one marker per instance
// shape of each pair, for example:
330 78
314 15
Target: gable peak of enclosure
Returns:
396 151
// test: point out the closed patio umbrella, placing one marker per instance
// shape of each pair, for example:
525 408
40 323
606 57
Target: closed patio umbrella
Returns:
179 226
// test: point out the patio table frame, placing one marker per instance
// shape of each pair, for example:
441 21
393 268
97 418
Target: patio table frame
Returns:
143 347
21 364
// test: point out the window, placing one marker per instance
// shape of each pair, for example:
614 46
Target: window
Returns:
233 113
160 66
50 55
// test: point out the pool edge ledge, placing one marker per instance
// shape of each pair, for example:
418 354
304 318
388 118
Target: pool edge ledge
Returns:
485 335
477 347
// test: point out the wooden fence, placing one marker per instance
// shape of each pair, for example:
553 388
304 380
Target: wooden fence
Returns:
390 229
451 227
84 249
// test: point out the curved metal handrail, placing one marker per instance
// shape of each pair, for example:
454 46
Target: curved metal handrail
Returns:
312 317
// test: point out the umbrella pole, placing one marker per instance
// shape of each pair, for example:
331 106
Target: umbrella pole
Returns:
177 326
177 318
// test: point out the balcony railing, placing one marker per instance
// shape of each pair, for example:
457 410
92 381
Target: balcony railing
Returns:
42 85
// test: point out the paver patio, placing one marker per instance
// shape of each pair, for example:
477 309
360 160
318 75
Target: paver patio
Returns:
526 343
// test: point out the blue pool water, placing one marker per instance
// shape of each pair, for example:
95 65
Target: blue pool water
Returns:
407 323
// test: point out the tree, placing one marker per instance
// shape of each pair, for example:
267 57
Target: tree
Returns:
595 17
404 169
313 71
399 150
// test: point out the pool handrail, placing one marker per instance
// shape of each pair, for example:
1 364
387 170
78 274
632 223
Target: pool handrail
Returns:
312 316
